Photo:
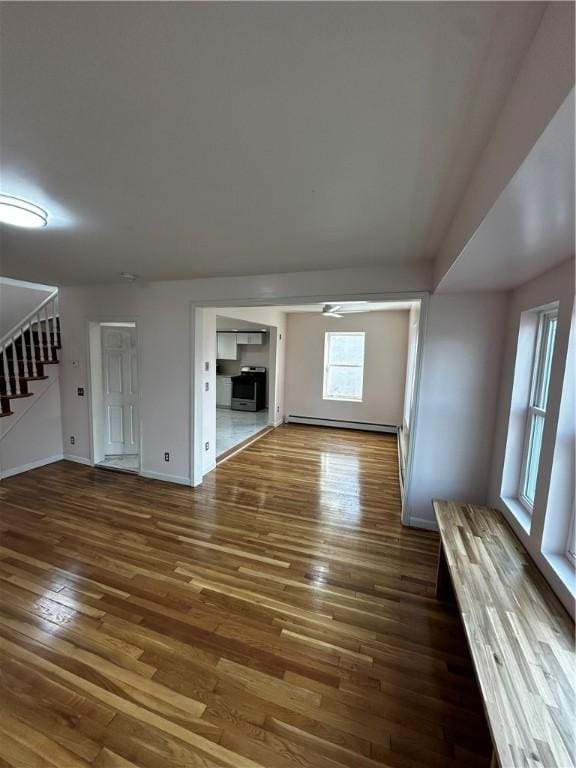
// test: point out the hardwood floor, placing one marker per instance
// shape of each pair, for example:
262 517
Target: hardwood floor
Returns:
277 616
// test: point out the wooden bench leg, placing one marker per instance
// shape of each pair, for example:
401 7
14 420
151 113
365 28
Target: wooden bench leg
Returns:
444 590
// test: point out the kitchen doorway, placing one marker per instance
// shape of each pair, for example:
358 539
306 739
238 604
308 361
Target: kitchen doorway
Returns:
242 383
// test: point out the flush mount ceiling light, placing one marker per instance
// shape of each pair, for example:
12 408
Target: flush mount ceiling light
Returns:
21 213
129 276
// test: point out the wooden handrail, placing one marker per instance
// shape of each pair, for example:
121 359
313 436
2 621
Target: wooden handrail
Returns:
19 325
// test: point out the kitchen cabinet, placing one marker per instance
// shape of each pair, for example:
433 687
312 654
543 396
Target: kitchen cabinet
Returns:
223 391
250 338
227 346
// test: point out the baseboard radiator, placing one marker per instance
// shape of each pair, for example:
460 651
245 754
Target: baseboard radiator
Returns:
342 424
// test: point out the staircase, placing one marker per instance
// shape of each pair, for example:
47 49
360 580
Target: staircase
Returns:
27 351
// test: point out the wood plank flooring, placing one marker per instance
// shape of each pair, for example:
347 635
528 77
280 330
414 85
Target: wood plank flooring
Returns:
278 616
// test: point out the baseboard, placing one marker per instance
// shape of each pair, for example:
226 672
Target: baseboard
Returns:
77 459
365 426
277 423
420 522
32 465
165 478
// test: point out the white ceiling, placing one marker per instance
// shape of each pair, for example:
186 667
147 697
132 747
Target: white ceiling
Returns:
530 228
179 140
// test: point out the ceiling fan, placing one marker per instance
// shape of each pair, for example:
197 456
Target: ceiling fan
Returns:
338 310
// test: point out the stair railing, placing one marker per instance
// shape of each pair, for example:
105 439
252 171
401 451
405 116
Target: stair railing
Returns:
43 321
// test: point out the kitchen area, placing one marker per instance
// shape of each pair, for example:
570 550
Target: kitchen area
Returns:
242 366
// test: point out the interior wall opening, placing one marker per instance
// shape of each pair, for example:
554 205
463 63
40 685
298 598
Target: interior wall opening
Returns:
114 395
243 369
295 374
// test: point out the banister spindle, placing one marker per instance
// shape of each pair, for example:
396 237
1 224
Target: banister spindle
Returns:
25 355
40 347
3 369
52 327
15 367
45 334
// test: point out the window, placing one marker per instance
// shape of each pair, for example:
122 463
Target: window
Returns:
343 366
536 415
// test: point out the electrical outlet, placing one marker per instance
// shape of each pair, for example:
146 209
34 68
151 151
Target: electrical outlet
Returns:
80 391
72 439
206 386
277 409
75 363
166 456
207 366
206 446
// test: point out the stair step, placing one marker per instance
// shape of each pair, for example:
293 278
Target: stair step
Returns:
15 397
4 379
6 413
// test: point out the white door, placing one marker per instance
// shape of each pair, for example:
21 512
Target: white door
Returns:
120 390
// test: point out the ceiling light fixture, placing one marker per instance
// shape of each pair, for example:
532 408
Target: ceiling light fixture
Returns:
21 213
128 276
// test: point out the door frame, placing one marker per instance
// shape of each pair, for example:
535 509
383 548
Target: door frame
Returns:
90 373
197 366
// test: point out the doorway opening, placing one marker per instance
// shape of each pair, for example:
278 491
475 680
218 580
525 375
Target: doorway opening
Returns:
315 383
243 370
114 395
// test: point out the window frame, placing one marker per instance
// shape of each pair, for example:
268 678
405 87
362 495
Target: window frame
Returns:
571 538
538 400
327 365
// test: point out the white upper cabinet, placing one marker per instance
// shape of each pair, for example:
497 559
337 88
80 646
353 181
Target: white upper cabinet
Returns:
250 338
227 346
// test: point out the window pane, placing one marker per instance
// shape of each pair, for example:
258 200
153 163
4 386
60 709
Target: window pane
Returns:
345 383
346 350
548 336
533 458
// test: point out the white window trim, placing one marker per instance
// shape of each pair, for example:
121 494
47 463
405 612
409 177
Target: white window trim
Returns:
327 365
534 411
571 539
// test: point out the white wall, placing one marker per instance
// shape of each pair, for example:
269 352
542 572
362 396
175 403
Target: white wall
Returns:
162 311
458 401
556 285
16 301
97 393
384 366
32 437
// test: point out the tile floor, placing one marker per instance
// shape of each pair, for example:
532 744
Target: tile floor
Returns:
127 462
232 427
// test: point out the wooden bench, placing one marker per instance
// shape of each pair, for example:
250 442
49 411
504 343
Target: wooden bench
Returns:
520 637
